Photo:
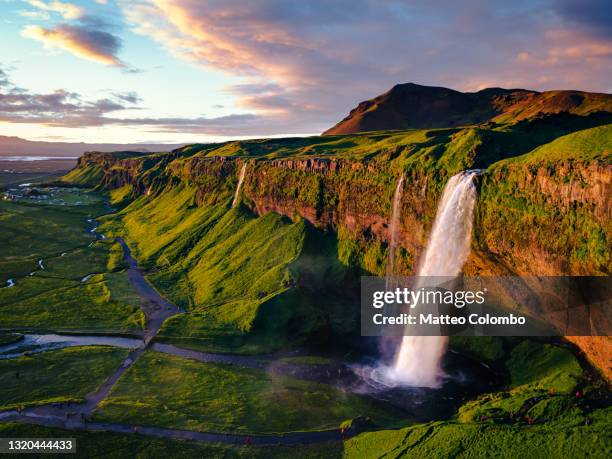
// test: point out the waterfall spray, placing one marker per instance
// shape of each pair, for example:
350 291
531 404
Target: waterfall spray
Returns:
418 359
394 225
240 180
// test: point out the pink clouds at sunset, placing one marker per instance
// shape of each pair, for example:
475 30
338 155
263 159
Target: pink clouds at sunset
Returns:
299 66
66 10
95 45
323 53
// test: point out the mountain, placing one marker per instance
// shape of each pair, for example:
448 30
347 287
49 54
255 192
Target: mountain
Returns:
18 146
412 106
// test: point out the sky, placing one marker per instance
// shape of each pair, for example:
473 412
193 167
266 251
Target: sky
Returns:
181 71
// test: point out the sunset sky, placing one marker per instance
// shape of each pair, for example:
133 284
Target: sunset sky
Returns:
198 70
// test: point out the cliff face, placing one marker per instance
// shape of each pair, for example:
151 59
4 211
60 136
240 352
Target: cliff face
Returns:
112 170
530 218
554 221
537 213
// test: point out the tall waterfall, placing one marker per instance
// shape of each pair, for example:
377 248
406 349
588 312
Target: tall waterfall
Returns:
418 359
240 180
394 224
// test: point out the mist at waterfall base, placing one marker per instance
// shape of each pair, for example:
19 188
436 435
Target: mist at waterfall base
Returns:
416 361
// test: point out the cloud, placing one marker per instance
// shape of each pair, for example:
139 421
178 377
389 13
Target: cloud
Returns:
84 35
61 108
572 47
302 65
313 61
594 16
4 81
95 45
265 97
131 97
66 10
34 15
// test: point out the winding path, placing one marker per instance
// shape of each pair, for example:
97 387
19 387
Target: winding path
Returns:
74 416
78 423
156 308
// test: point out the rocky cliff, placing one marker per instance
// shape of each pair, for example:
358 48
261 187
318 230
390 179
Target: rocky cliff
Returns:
543 211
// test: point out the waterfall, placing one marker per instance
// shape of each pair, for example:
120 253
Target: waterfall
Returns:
418 359
394 225
240 180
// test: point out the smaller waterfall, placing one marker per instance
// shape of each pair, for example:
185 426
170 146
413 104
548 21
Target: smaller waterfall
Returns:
240 180
394 225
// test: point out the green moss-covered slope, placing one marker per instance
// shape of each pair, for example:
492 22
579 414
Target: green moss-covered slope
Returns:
235 269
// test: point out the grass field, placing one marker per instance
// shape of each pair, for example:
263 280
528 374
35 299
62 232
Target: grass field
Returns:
31 232
536 370
170 391
105 303
10 338
113 445
569 437
539 415
55 297
65 375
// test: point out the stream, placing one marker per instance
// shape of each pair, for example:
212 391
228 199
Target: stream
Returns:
465 377
36 343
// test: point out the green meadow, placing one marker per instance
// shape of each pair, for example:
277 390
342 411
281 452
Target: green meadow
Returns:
540 413
57 376
252 282
57 297
115 445
169 391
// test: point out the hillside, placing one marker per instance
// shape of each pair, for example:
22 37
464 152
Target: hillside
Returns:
240 263
319 209
412 106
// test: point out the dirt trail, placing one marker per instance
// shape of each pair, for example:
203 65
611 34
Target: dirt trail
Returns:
157 309
78 423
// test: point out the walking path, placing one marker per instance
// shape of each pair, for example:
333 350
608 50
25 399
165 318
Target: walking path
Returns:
79 423
157 309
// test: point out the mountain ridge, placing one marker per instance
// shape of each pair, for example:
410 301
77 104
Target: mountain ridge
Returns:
414 106
13 145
